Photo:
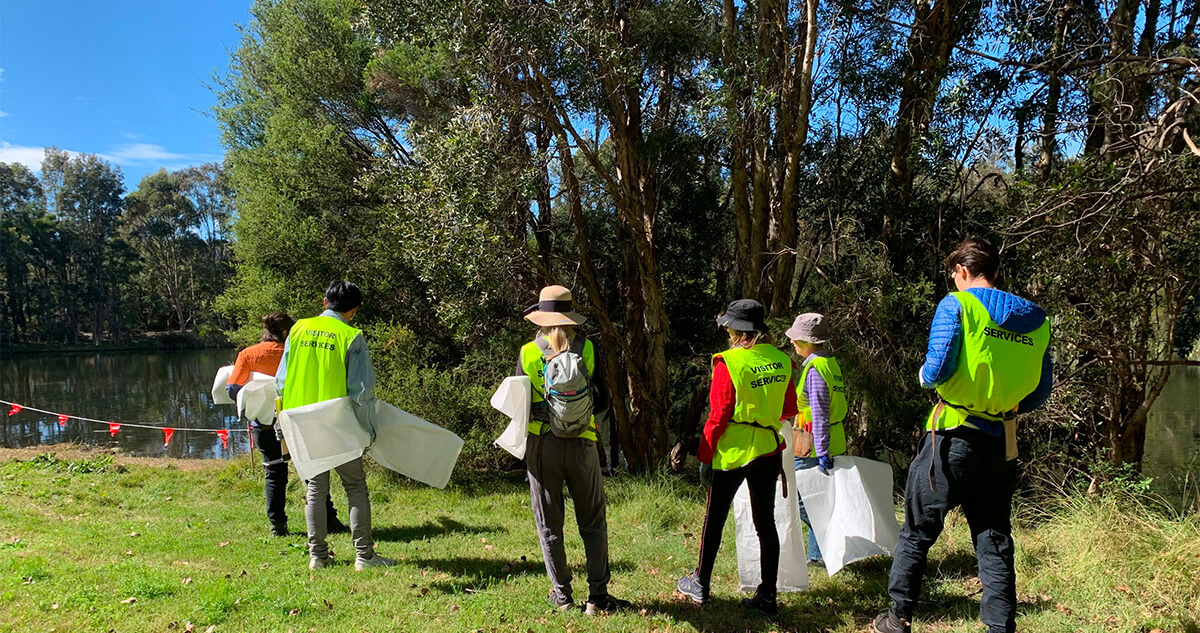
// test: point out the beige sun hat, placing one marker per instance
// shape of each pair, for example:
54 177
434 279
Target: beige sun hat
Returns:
554 307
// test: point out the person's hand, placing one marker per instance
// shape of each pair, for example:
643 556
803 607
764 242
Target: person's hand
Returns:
825 464
706 474
921 377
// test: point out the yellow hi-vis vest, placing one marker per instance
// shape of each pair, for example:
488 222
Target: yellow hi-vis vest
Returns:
996 369
534 365
831 372
316 361
760 375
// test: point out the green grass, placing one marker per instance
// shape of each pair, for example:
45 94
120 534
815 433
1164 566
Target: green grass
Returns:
191 546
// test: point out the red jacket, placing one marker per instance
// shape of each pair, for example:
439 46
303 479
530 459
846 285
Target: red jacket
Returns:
721 399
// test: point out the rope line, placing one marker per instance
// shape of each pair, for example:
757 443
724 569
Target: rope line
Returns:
123 424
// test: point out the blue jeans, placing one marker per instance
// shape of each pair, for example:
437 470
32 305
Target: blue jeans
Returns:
814 552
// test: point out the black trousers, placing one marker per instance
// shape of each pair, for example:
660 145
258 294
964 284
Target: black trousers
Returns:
277 477
761 476
971 472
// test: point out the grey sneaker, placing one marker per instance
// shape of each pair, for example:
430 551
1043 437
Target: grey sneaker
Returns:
690 587
600 605
560 601
316 562
374 561
888 622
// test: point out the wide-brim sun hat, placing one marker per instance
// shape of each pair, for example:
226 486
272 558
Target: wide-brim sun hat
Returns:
744 315
810 327
554 307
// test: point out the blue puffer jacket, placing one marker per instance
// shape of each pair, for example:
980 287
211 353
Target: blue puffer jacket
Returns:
1013 314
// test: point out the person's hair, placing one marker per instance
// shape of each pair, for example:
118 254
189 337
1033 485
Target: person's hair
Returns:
560 336
978 256
804 342
738 338
343 296
276 326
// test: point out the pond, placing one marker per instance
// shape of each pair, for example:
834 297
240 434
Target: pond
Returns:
168 389
1173 439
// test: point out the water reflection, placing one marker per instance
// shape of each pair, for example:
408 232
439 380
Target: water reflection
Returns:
161 389
1173 439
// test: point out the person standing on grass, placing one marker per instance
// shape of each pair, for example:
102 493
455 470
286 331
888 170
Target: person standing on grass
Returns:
325 359
264 358
821 398
560 448
988 359
752 391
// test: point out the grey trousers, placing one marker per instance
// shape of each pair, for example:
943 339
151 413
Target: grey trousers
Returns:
354 480
552 462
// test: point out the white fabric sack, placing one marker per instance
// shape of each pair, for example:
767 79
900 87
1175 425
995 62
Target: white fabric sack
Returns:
256 400
793 561
852 510
413 447
323 435
219 395
513 398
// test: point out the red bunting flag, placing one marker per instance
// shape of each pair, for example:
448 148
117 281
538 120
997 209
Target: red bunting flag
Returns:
16 408
224 435
113 428
62 420
167 433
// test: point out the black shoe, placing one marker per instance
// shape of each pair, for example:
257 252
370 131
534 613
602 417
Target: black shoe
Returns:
279 530
763 601
560 601
887 622
692 589
600 605
335 527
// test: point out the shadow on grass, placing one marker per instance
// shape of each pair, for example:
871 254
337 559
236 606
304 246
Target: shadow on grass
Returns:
855 596
441 526
472 573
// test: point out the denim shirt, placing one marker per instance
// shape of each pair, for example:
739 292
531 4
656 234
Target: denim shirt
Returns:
360 377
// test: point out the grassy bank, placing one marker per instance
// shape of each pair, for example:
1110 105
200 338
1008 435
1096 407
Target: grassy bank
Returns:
88 545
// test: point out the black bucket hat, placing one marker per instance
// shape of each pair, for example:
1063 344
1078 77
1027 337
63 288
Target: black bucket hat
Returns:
744 315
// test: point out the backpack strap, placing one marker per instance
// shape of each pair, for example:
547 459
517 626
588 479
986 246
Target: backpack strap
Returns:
577 346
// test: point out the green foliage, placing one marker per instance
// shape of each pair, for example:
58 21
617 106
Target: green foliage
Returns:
98 464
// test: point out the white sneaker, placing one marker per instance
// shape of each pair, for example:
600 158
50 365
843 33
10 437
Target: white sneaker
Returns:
375 561
315 563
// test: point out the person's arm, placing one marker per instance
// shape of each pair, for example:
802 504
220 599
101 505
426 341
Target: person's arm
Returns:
239 375
941 357
281 373
1042 393
360 382
721 400
818 396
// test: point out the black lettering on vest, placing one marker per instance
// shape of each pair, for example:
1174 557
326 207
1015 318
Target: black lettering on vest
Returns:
767 380
769 367
1005 335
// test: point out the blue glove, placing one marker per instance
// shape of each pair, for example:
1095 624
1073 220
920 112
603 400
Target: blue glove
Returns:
706 472
825 464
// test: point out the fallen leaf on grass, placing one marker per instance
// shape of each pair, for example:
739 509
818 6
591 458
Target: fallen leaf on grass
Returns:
487 547
54 606
328 605
1123 588
506 568
223 544
453 608
172 625
129 552
187 581
243 573
294 612
211 628
189 627
424 590
134 534
129 600
1062 608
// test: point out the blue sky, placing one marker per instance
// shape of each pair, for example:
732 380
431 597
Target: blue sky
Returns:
125 79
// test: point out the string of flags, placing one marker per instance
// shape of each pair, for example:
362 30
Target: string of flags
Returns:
114 427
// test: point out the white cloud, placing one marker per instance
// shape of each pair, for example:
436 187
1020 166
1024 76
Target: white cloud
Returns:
3 114
30 157
149 153
127 155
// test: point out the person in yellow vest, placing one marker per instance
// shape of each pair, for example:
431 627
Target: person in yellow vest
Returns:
821 398
752 390
988 359
568 396
325 358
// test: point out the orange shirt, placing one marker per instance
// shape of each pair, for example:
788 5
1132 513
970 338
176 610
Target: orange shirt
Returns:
263 358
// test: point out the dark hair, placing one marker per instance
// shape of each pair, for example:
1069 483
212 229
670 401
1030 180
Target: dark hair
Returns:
277 325
343 296
978 256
